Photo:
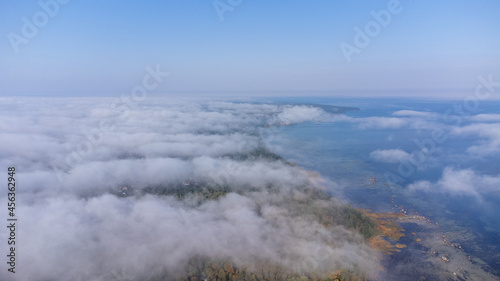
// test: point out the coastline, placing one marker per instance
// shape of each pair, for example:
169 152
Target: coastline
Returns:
413 245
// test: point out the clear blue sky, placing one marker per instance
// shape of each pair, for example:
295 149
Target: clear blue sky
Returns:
261 46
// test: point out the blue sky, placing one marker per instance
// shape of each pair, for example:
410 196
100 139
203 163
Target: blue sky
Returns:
260 47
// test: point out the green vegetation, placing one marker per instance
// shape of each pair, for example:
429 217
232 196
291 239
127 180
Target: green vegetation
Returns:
328 211
258 154
304 202
203 191
356 220
202 268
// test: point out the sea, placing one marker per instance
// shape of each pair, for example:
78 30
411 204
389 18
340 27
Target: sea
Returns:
435 160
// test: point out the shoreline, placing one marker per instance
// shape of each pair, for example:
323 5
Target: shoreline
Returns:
449 260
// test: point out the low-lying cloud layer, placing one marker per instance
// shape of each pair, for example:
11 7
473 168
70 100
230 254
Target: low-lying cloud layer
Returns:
465 182
71 155
444 141
487 133
389 155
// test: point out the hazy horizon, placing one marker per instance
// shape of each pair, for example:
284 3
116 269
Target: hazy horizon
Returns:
250 140
70 48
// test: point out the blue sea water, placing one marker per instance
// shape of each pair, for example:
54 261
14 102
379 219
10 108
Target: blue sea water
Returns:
342 151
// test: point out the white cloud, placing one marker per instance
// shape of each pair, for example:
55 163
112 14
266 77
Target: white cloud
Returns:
381 122
394 123
413 113
299 114
485 118
464 182
389 155
487 136
70 153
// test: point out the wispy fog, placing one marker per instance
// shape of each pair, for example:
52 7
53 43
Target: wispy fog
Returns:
73 156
